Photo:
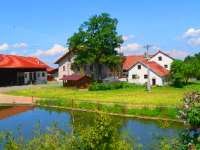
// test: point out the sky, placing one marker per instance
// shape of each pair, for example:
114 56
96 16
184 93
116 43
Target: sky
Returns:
41 27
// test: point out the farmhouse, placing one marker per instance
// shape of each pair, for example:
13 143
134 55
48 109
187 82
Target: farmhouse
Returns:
65 64
135 69
19 70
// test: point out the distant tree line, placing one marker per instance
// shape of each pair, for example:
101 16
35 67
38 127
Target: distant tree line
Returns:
184 70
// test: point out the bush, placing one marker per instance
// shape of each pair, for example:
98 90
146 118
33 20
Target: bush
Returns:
110 86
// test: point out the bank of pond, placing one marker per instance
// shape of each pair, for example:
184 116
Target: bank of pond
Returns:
26 118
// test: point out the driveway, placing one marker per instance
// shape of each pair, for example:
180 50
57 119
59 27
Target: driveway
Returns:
9 99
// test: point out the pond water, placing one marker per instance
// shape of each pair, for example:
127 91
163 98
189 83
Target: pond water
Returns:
26 118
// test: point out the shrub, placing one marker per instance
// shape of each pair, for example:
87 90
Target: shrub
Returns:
111 86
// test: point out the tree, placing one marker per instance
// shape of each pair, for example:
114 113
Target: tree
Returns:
181 72
177 73
95 44
194 61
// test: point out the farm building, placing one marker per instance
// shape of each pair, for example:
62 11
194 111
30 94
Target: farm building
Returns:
19 70
76 80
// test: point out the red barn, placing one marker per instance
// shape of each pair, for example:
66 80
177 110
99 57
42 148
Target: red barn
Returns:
76 80
19 70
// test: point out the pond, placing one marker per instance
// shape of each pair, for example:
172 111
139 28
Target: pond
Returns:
26 118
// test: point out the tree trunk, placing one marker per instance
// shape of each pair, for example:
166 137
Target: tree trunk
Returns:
98 72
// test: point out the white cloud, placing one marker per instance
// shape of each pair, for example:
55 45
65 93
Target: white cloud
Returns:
191 32
194 41
192 37
127 37
178 53
132 47
19 45
6 46
55 49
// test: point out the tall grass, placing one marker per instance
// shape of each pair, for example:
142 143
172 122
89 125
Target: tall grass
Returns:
159 111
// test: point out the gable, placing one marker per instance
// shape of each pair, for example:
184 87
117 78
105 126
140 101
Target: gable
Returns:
154 67
160 53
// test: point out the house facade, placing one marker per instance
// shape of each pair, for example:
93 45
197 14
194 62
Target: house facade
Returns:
19 70
139 69
136 68
65 63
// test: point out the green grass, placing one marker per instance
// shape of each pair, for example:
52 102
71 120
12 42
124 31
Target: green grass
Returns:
137 95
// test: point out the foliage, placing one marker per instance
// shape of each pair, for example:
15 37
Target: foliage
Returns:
110 86
102 136
182 71
177 73
190 113
95 44
168 144
195 62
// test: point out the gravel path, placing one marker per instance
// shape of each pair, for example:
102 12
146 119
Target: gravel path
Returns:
7 99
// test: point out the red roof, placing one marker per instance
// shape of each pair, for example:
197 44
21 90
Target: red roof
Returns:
14 61
132 60
73 77
155 67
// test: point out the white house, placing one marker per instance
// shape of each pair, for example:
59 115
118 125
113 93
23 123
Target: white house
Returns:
135 69
65 63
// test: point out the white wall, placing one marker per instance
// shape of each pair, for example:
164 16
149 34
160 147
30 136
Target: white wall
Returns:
165 60
67 63
140 73
41 77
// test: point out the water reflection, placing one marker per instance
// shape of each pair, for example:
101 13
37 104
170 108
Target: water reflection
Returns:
72 121
9 111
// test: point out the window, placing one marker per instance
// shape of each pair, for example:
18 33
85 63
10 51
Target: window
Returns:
139 67
125 73
43 74
145 76
25 75
160 58
63 68
134 76
38 74
166 66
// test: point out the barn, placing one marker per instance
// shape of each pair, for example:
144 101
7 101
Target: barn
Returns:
76 80
20 70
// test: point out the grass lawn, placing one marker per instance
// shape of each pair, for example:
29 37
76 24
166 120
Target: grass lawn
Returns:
159 96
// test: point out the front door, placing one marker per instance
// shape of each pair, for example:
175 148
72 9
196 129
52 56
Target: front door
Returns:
153 81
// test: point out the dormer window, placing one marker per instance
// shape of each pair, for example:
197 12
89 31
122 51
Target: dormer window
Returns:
160 58
139 67
166 66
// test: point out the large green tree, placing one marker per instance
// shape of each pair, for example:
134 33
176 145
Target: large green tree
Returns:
194 61
95 44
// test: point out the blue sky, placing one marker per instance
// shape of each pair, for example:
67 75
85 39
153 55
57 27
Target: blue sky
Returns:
42 27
